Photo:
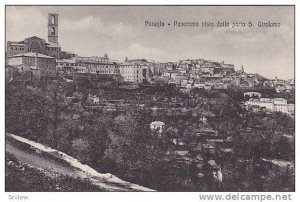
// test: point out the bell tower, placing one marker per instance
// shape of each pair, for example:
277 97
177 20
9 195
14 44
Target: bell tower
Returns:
53 27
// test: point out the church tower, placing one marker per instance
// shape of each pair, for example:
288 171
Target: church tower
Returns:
53 27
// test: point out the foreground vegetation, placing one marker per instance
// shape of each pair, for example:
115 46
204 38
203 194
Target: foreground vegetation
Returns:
22 178
120 141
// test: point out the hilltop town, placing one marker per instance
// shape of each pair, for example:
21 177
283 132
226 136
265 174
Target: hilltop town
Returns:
189 125
40 58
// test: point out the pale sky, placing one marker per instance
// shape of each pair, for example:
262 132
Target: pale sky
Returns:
120 32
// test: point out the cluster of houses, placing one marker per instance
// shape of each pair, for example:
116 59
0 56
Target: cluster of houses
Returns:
187 74
41 58
206 74
256 103
281 85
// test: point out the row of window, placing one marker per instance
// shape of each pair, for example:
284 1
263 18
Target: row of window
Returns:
130 72
80 70
97 71
17 48
22 48
68 64
131 76
133 79
101 66
103 72
52 49
130 66
30 59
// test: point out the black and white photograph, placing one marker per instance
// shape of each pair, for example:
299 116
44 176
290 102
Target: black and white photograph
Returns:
149 98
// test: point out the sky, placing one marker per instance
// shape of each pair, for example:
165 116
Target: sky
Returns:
120 32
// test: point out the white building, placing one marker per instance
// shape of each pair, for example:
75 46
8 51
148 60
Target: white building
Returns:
133 72
252 94
157 126
275 104
291 108
45 65
94 99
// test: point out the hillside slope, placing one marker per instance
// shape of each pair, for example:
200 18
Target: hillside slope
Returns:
54 163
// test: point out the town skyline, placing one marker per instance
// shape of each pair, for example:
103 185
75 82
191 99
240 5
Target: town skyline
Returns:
126 36
149 98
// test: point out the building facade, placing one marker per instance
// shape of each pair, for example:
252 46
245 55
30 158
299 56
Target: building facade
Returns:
39 64
38 45
98 65
133 72
275 104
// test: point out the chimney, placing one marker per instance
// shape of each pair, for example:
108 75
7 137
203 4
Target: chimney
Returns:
126 59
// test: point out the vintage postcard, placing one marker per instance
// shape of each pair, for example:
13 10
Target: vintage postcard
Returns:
150 98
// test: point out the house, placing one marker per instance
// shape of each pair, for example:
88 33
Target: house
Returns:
93 99
97 65
46 65
66 65
134 72
262 102
171 75
157 126
275 104
268 83
252 94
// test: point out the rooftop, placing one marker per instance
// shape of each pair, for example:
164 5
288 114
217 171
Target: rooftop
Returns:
54 45
279 99
65 61
136 60
13 43
31 54
157 123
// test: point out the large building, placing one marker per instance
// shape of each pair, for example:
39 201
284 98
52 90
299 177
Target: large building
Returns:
88 65
39 64
134 72
275 104
98 65
38 45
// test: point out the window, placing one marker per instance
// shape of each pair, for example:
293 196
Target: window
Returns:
52 19
52 31
35 47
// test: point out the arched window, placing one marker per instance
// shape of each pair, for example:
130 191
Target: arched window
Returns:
52 19
35 47
52 31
